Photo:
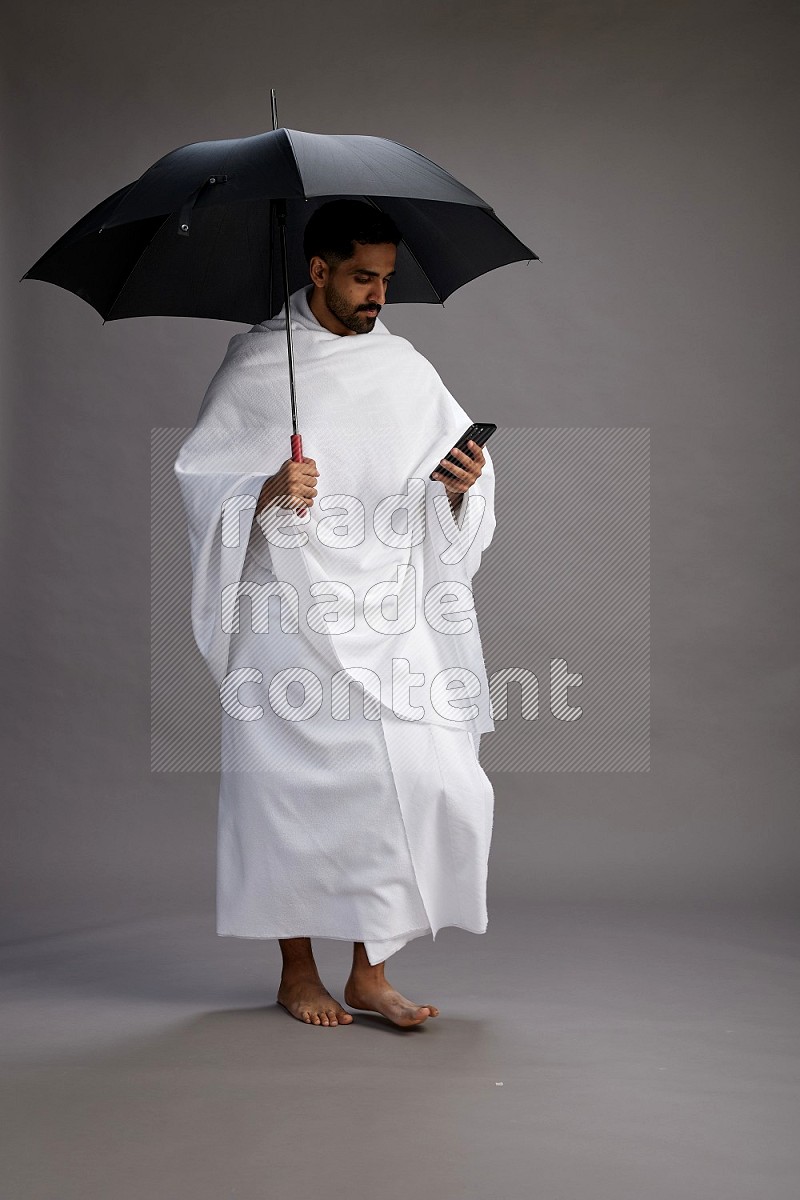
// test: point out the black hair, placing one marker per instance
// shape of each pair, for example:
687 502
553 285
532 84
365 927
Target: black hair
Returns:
333 229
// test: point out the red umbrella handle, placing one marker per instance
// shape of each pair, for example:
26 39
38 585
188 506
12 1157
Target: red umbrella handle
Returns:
297 456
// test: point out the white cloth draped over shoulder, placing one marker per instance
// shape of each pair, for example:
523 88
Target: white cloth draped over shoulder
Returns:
374 586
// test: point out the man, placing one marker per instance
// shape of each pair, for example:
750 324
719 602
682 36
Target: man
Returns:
373 827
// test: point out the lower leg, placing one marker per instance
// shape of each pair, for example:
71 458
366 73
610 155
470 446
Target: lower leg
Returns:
362 965
298 957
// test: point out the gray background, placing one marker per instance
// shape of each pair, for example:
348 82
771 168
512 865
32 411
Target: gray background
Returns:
627 1027
645 151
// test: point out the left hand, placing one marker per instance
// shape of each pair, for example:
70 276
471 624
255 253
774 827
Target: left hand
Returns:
465 475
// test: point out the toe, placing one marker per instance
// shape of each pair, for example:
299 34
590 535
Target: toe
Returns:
324 1019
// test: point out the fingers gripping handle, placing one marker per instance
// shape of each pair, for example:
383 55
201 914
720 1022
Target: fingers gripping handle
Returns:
297 456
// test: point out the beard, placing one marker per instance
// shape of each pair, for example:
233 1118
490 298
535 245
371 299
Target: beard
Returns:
350 317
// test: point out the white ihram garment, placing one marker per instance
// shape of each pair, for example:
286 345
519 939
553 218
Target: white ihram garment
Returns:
374 827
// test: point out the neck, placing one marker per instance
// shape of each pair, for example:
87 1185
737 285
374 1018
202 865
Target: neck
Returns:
324 315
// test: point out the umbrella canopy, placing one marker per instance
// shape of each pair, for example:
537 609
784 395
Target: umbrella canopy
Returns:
195 236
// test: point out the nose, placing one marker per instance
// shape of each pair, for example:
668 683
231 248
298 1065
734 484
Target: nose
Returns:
377 294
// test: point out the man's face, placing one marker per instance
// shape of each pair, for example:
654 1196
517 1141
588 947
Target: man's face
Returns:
355 290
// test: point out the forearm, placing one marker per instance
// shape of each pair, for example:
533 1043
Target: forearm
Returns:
455 500
266 496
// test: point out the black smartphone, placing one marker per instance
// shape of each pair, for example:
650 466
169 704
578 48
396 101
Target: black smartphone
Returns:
480 432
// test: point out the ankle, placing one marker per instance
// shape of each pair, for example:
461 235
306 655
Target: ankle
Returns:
294 972
361 974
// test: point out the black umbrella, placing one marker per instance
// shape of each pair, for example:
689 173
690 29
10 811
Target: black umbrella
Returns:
195 235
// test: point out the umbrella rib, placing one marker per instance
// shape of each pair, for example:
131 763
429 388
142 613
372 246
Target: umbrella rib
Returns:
295 161
127 278
482 203
434 289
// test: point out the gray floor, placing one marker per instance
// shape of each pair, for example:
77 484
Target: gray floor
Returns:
597 1053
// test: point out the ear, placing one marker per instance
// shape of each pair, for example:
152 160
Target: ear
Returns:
318 270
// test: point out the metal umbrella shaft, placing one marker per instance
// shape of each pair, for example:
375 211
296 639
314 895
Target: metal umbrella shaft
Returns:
279 209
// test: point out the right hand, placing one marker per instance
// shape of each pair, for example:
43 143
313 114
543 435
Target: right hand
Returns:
292 486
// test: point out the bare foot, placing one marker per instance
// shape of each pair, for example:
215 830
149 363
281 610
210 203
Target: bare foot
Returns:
306 998
378 995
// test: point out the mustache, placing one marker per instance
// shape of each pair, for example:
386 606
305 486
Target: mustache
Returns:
369 308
